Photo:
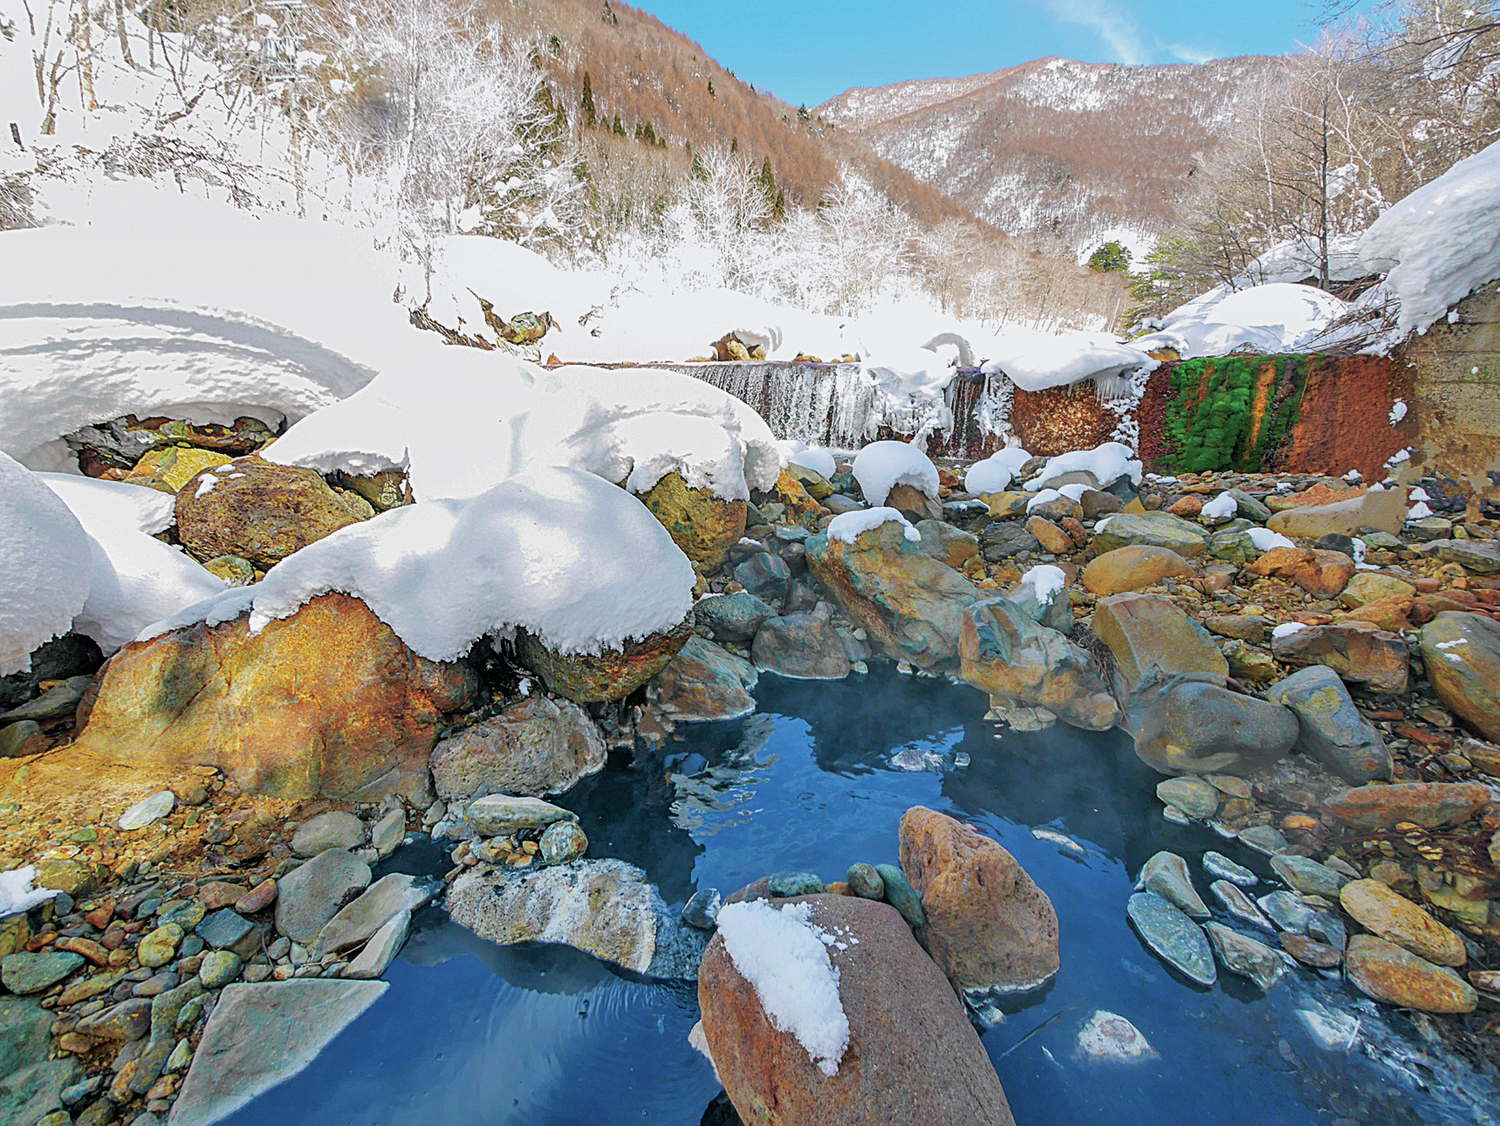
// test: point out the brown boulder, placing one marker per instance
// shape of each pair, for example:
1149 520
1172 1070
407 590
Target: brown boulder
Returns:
1428 804
257 510
913 503
1397 919
702 525
613 674
1187 507
1357 651
1133 568
1386 972
1323 574
1050 536
536 747
1151 637
989 927
326 703
913 1058
1391 613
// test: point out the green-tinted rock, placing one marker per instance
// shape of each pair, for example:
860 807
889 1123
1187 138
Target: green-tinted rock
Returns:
160 946
219 968
901 895
1193 796
1331 729
784 885
610 675
1308 876
1240 954
1152 529
31 973
1172 935
1166 874
864 881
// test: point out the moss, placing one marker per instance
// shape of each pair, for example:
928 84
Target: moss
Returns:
1230 412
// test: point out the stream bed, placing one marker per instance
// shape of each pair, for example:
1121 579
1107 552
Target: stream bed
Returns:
473 1034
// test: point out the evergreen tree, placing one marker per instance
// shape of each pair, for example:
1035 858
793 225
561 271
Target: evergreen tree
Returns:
1111 258
711 93
649 134
590 114
619 127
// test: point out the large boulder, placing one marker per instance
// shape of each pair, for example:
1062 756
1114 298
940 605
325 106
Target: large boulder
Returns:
1133 568
805 646
539 746
1187 726
1151 529
604 907
325 703
989 927
1323 574
1006 652
732 617
1152 639
910 604
912 1058
704 682
702 524
1462 654
1382 510
258 510
612 674
1358 651
1428 804
1331 729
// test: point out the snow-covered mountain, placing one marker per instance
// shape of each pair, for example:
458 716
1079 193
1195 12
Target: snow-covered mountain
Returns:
1057 149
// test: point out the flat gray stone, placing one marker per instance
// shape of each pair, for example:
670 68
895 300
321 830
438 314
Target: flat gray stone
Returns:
1166 874
1289 912
1172 935
307 897
1220 867
1240 905
334 829
1243 955
32 973
1263 839
224 928
387 834
382 948
386 898
144 812
261 1035
498 815
58 701
1308 876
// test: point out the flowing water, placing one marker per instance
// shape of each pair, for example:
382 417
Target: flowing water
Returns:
472 1034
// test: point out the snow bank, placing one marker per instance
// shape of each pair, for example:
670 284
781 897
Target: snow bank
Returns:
1441 242
1108 463
995 473
846 527
815 458
1268 319
44 566
16 894
785 960
561 553
1296 261
1035 361
881 466
136 580
1286 629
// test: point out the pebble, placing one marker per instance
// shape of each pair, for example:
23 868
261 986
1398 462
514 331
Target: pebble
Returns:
1219 866
563 841
702 910
1311 952
1240 905
219 968
1108 1037
784 885
865 882
901 895
144 812
258 898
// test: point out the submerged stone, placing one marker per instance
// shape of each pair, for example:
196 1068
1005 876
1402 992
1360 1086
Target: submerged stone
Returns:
1245 956
1172 935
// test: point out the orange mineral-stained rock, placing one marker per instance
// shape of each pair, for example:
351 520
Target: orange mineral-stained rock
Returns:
326 703
988 925
1388 973
1323 574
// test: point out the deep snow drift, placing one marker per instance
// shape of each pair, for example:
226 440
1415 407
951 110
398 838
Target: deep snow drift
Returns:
44 568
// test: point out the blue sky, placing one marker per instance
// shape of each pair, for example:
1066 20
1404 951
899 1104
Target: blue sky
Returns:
806 51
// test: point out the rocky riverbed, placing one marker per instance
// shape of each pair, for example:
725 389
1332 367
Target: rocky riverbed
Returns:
1308 670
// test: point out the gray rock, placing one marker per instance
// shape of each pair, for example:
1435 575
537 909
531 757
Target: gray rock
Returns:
129 1020
307 897
219 968
382 948
1247 506
1219 866
501 815
1327 927
802 646
1173 936
1331 728
224 928
1288 911
15 737
732 617
563 841
31 973
25 1033
606 908
1240 905
1188 725
1243 955
387 834
1195 797
1308 876
58 701
261 1035
679 950
334 829
702 910
784 885
538 746
1166 874
1005 538
1263 839
1152 529
386 898
839 504
766 576
147 810
865 882
1479 556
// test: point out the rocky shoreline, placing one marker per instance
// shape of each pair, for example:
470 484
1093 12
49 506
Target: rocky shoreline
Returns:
1312 665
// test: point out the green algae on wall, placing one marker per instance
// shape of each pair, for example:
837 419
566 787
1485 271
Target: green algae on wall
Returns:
1231 412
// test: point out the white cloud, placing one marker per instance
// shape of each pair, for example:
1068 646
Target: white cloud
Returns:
1187 53
1106 19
